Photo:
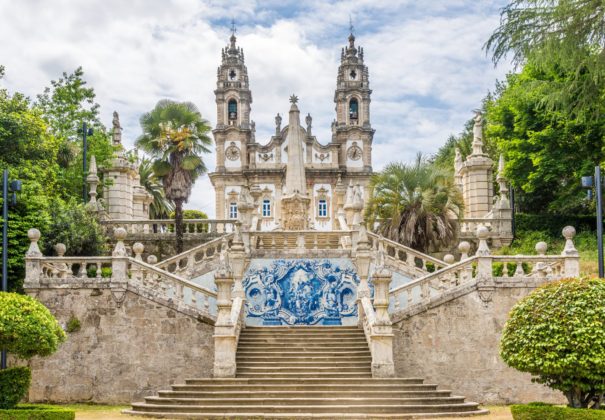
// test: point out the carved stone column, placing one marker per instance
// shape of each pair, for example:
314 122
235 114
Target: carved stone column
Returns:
225 340
381 340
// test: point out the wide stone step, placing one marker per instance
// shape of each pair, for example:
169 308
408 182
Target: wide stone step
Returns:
301 328
313 374
304 335
315 353
363 368
280 401
311 338
303 363
360 381
359 389
349 415
307 408
303 358
278 392
302 346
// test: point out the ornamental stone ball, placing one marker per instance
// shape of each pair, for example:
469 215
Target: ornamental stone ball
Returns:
33 234
60 249
152 259
569 232
541 247
138 248
482 232
464 247
120 234
449 259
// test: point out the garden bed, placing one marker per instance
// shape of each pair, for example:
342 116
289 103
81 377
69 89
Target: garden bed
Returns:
553 412
37 412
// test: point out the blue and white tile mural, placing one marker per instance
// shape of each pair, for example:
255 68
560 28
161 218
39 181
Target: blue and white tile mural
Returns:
301 292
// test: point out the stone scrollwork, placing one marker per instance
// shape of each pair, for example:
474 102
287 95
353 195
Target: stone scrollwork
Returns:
265 156
322 156
301 292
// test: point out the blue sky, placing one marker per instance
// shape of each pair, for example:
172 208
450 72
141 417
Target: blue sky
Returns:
427 67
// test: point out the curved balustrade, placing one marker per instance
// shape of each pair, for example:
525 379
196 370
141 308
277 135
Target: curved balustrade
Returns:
195 261
404 259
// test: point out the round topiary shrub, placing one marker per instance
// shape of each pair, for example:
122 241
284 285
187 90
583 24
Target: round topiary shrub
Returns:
557 333
27 329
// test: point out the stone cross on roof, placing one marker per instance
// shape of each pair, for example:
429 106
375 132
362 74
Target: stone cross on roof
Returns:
293 99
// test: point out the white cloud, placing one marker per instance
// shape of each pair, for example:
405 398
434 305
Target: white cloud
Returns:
427 68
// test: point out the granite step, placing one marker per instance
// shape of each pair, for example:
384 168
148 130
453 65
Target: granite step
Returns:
349 415
301 400
311 392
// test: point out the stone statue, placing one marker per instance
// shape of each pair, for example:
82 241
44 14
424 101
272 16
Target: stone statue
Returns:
309 120
478 134
277 124
117 129
457 161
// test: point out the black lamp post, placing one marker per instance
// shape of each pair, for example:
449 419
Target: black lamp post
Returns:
85 132
587 183
13 187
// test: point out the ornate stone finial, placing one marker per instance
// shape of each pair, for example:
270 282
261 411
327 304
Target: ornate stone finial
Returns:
351 36
60 249
464 247
232 39
478 134
224 267
253 130
117 129
34 250
120 248
138 249
152 259
309 121
570 249
458 161
449 259
293 99
503 202
93 180
350 196
363 243
277 124
482 235
541 248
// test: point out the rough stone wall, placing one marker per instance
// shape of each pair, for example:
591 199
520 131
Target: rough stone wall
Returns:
121 353
456 345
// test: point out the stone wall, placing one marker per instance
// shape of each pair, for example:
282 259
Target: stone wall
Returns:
122 352
456 344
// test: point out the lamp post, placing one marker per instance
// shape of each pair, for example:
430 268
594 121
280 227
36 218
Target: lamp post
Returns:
14 187
587 183
85 132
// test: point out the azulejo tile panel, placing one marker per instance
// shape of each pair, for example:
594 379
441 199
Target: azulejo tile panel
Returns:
301 292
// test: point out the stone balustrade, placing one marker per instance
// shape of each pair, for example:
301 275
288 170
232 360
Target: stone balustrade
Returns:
198 260
485 271
160 228
405 259
118 272
303 242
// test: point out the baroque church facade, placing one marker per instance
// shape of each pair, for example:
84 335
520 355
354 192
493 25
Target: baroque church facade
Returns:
293 180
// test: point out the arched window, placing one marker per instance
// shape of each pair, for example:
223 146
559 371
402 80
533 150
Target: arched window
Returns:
353 109
232 110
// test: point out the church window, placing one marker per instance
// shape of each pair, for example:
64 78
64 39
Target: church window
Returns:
353 109
233 211
266 208
232 109
322 210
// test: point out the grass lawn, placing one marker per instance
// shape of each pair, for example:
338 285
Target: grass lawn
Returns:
113 412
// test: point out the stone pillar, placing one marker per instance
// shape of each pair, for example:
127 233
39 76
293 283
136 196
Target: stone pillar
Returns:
381 340
571 254
33 260
485 279
119 260
238 259
362 262
225 340
93 180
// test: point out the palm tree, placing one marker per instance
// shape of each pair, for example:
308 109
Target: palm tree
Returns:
175 135
160 207
417 205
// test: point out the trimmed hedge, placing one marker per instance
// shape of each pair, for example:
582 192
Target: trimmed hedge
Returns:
551 412
37 412
14 383
553 224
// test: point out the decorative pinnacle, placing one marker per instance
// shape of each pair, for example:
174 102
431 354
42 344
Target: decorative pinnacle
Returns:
233 28
293 99
351 28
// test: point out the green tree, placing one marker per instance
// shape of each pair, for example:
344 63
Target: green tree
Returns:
175 135
417 205
160 207
65 105
27 329
569 33
556 334
546 151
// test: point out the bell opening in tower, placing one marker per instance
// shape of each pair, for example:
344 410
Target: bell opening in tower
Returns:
353 110
232 111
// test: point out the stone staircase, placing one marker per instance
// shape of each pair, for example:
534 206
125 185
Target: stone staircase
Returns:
304 372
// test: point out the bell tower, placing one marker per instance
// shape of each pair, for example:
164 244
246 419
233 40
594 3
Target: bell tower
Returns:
233 99
352 128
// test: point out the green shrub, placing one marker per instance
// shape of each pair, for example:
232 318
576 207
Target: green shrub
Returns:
551 412
14 383
556 334
552 224
73 325
37 412
27 328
